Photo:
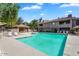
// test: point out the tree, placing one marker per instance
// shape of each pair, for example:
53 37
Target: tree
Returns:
34 24
26 23
9 13
69 15
40 19
20 20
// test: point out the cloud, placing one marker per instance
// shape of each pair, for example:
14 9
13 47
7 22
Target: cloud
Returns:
42 14
54 3
40 4
66 14
32 7
70 5
69 11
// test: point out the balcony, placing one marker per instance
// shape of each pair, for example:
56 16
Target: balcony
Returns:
56 26
64 25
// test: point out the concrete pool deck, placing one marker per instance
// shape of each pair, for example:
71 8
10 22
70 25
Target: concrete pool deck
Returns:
72 46
11 47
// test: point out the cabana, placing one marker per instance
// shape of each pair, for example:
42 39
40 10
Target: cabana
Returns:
22 28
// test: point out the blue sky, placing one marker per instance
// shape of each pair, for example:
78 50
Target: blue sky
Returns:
48 11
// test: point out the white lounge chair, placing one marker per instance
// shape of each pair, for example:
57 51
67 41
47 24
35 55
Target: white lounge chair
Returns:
10 34
67 32
15 33
61 31
64 32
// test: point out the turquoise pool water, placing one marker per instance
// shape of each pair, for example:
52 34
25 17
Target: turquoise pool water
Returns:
49 43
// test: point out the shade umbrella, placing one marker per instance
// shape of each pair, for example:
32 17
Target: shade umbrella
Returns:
1 23
76 27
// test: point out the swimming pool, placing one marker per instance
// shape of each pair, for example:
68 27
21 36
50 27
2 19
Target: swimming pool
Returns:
49 43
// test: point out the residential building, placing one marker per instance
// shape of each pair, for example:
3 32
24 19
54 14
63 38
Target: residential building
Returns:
59 24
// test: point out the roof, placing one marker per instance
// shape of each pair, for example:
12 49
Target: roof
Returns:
1 23
60 19
21 25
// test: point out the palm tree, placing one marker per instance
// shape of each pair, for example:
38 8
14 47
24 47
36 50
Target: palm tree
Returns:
26 23
40 19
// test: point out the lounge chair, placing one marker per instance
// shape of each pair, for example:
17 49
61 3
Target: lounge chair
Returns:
15 33
63 32
10 34
67 32
59 31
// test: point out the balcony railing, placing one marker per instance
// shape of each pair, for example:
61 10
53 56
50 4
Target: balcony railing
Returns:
65 25
56 26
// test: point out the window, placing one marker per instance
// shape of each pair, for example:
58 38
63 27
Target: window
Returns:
77 22
53 23
40 24
64 22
